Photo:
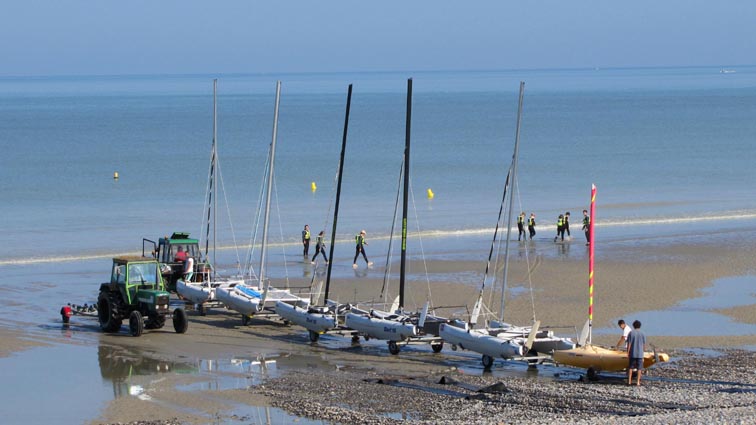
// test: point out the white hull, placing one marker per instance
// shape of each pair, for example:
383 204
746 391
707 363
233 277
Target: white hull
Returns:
385 329
481 342
316 322
240 298
201 292
544 342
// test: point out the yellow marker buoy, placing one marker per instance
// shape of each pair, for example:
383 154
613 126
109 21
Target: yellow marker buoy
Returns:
313 187
115 175
430 194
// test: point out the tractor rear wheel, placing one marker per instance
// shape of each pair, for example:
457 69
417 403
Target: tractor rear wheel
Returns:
106 312
180 323
136 323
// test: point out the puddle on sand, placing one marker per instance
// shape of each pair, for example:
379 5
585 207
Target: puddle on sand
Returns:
692 318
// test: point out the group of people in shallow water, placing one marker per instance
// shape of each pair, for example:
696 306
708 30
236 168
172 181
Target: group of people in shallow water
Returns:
562 225
320 246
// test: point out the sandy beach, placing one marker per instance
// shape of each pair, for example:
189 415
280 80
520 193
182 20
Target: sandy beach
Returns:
334 380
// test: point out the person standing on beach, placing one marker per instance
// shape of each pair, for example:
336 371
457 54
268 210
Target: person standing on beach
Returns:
636 345
521 226
531 226
567 224
560 228
586 227
306 240
360 248
320 247
622 343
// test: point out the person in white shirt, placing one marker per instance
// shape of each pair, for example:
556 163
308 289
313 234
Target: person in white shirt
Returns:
622 343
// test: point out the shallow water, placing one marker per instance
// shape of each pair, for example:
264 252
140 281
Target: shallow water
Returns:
693 317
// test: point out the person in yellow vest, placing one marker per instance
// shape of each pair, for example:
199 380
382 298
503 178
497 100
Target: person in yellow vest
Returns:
360 248
306 240
320 247
531 226
521 226
560 228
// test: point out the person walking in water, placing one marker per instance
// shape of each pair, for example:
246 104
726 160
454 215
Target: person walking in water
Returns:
560 228
521 226
306 240
586 227
360 248
567 224
531 226
320 247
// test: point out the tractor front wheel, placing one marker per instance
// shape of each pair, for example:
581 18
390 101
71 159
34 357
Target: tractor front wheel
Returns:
180 323
136 324
106 312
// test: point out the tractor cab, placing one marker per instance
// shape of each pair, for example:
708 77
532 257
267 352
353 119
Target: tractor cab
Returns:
172 253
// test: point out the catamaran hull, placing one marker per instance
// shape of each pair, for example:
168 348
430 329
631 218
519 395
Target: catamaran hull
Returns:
385 329
236 301
316 322
195 292
600 358
551 344
482 343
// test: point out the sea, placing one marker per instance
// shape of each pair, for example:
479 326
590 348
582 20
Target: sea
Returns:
669 149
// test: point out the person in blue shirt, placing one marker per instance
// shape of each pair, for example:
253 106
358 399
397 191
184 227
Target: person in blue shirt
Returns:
636 345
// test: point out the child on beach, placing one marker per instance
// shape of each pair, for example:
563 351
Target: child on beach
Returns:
521 226
360 248
320 247
531 225
560 228
567 224
586 227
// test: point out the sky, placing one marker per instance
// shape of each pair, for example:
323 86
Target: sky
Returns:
107 37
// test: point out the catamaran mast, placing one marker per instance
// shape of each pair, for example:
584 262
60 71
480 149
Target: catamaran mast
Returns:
402 270
271 161
338 191
511 201
211 183
591 245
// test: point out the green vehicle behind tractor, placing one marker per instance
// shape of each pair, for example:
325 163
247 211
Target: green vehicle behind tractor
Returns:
136 292
167 250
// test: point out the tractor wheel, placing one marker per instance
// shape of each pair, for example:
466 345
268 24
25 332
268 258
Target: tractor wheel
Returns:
487 362
106 311
314 336
180 324
154 321
393 347
437 347
136 324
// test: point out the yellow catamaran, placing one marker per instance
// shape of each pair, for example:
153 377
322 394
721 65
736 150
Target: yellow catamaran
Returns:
595 358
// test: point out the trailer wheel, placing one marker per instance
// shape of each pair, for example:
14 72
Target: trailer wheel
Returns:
136 324
437 347
487 362
592 374
201 309
180 323
393 347
314 336
245 320
106 313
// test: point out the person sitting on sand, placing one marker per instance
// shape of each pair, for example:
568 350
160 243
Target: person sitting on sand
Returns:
636 345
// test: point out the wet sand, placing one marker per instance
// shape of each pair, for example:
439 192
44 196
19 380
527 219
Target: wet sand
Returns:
629 279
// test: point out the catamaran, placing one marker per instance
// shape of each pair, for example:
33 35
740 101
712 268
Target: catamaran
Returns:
596 358
499 339
199 284
396 326
319 319
261 299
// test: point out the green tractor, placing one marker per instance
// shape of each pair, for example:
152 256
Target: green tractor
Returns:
136 292
172 253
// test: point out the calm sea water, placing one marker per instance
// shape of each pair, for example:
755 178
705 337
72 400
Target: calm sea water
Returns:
669 149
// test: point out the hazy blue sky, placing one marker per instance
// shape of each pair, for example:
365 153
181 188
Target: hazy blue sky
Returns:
61 37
